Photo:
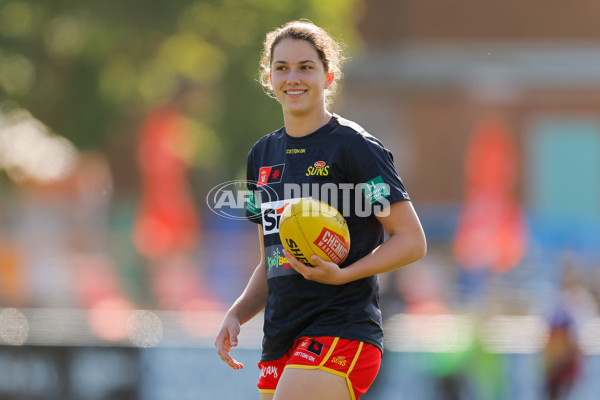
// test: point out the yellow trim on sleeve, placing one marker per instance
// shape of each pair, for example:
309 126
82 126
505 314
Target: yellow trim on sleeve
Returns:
270 391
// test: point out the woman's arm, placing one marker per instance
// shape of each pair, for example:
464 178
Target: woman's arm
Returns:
406 244
251 302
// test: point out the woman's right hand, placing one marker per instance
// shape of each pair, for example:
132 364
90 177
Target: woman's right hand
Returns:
227 338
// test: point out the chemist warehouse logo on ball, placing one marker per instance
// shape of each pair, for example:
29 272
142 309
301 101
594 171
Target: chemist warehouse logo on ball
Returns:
233 199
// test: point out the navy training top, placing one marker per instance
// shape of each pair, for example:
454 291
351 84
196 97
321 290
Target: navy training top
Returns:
348 168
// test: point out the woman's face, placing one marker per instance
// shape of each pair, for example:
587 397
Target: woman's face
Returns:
298 77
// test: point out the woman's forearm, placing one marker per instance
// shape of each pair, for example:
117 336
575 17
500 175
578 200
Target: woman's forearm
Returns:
253 298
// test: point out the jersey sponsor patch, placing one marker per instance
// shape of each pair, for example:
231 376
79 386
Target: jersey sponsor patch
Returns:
252 204
271 214
319 168
375 190
269 175
277 264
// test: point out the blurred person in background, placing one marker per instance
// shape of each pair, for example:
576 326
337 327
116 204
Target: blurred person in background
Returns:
572 308
12 285
492 234
44 237
562 358
94 268
594 283
323 335
167 226
562 355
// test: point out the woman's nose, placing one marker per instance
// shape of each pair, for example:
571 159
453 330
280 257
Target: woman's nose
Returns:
293 76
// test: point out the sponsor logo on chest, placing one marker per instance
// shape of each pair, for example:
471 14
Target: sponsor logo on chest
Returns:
271 174
276 260
295 151
319 168
271 214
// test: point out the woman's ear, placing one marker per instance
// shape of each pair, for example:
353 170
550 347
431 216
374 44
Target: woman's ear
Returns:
330 77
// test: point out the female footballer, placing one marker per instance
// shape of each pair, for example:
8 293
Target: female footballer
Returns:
323 335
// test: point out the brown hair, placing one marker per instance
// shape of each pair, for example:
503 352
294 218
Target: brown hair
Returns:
329 51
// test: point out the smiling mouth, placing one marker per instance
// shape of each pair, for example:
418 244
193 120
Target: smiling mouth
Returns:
294 92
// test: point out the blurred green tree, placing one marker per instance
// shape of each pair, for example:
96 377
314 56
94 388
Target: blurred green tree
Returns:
90 70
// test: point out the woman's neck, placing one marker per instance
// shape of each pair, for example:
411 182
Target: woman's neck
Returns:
299 126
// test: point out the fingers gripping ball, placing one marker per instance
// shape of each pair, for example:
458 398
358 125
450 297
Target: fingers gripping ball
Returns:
309 226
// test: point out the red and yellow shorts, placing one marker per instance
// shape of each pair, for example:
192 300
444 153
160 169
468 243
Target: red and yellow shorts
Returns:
357 362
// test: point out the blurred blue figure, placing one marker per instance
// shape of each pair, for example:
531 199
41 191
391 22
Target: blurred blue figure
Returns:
562 355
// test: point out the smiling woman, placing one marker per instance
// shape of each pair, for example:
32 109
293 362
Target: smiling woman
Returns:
299 81
328 52
323 335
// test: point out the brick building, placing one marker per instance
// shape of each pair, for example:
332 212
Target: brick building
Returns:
430 69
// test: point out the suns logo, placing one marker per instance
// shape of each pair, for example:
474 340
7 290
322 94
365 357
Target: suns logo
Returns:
340 360
319 168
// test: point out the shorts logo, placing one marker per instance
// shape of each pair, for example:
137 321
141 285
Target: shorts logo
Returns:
312 346
319 168
340 360
375 190
268 175
272 370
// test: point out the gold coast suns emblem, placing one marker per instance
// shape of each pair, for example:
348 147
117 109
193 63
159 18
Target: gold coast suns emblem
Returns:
319 168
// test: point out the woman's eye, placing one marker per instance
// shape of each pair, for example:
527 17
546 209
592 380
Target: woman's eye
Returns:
280 68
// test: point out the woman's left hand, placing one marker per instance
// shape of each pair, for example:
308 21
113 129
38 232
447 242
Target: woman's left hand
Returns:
323 272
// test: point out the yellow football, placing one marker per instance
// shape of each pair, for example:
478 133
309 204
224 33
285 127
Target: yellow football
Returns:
309 226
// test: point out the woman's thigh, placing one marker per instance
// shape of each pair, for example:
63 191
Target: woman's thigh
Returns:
311 384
